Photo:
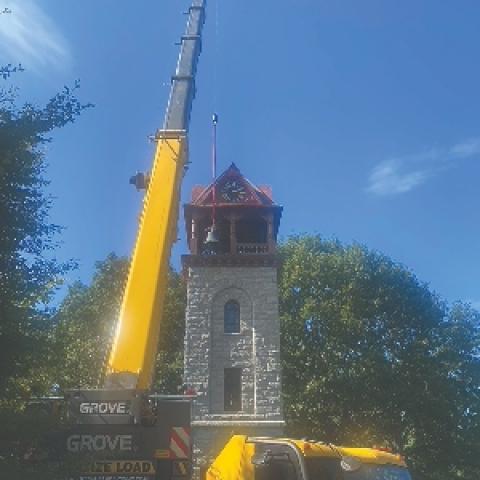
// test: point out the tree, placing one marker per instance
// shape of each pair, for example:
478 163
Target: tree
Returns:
169 366
27 272
371 356
85 324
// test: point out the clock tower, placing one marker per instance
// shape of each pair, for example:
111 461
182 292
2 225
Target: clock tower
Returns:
232 335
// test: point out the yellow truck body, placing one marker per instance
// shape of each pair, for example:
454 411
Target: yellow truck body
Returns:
236 460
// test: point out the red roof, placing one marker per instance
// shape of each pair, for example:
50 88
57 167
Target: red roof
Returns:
232 188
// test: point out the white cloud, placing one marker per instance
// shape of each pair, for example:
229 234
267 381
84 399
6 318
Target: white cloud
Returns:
388 179
466 149
400 175
29 36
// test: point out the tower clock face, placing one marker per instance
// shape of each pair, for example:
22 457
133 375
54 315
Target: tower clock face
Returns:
233 191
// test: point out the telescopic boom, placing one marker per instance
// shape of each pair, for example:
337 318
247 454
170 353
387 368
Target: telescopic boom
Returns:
132 357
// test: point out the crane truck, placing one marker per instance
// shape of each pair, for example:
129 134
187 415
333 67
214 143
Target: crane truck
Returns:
126 432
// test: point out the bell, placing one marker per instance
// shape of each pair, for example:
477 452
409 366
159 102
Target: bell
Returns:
212 236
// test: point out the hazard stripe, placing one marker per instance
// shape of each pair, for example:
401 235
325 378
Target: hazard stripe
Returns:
177 450
183 434
180 442
175 438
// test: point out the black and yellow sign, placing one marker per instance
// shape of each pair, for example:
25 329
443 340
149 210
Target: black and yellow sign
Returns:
123 467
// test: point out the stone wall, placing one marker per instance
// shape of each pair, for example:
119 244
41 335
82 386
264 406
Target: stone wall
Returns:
256 350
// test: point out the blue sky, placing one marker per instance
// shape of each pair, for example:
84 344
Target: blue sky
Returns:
362 116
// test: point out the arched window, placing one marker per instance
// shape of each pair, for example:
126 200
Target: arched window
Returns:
231 317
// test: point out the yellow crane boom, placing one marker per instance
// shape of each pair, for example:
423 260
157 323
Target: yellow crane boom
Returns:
132 357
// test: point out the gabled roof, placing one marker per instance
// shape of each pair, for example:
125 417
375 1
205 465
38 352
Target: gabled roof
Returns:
251 195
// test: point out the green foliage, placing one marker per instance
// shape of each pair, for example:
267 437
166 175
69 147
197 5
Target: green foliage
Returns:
27 273
85 325
6 71
31 444
371 356
169 365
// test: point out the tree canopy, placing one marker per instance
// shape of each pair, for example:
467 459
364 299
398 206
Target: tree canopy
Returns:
84 326
371 356
28 270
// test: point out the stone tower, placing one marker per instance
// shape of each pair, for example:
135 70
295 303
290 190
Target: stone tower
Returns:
232 338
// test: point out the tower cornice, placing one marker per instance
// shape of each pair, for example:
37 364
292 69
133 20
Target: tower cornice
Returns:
228 260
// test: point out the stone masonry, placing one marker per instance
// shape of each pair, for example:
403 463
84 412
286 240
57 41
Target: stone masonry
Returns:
208 351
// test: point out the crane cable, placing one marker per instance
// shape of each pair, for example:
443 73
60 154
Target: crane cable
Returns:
214 170
216 50
215 118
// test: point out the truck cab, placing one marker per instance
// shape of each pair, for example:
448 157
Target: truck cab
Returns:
254 458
